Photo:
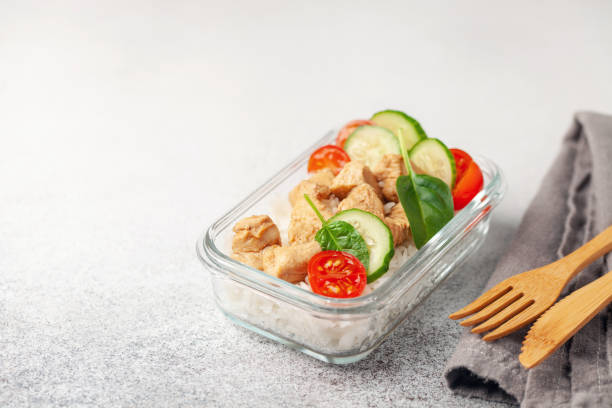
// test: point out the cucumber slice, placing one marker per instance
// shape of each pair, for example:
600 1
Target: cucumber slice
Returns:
432 157
376 235
368 144
412 132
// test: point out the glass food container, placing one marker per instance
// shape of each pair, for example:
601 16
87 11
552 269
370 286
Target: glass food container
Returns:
335 330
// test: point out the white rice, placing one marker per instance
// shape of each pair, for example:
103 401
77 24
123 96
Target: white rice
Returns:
324 333
388 206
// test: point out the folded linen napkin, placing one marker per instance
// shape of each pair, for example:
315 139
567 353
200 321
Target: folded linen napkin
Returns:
574 203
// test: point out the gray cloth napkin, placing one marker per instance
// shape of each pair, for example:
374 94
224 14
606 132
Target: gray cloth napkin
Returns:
573 204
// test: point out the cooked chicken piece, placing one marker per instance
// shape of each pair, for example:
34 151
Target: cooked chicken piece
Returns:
353 174
363 197
252 259
398 224
314 190
289 263
267 256
252 234
387 170
304 222
324 177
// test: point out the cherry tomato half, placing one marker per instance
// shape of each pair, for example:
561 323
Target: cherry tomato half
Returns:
346 131
328 156
336 274
469 179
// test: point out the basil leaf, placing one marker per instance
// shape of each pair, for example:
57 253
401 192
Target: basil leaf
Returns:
342 236
428 204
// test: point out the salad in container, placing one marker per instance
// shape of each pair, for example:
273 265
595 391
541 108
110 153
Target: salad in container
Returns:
335 250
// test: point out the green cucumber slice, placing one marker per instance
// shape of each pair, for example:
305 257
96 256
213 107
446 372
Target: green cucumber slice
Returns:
376 235
368 144
432 157
412 132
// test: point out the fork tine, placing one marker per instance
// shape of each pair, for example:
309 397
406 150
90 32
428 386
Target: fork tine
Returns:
506 314
494 308
482 301
522 319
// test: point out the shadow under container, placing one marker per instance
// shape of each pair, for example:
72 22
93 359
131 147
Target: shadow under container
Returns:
336 330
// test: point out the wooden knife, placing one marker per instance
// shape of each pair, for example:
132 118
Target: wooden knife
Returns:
564 319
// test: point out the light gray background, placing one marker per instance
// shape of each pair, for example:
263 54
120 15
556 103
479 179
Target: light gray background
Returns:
128 127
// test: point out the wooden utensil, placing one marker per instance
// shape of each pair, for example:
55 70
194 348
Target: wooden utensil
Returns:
564 319
520 299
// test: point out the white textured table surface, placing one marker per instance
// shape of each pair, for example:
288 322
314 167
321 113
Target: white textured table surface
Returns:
127 127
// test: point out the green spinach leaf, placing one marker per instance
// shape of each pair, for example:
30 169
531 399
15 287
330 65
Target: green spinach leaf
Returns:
427 202
341 236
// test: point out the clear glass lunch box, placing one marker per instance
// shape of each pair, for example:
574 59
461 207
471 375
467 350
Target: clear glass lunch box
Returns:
335 330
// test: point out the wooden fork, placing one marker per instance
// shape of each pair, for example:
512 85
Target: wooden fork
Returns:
520 299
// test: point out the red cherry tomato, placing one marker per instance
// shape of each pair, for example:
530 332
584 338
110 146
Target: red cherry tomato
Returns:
462 160
346 131
469 179
328 156
336 274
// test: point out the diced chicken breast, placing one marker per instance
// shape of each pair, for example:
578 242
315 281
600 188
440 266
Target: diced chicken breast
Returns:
289 263
398 224
387 170
353 174
324 177
253 259
314 190
252 234
267 255
304 223
363 197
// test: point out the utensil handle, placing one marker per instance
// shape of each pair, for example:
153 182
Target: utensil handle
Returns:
593 298
600 245
601 290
